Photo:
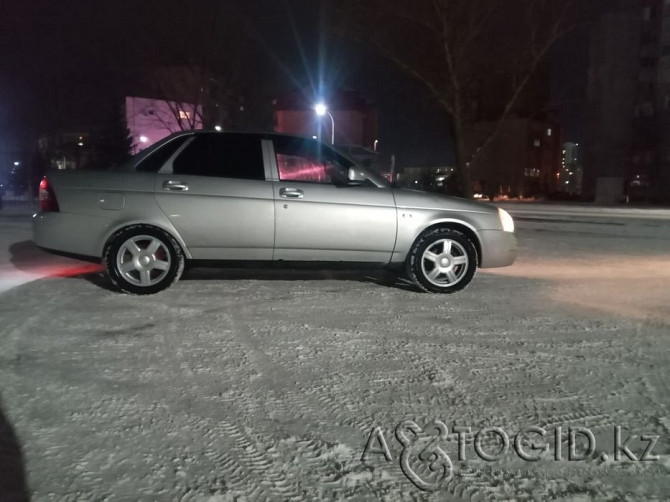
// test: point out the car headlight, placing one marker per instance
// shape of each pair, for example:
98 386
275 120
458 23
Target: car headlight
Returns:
506 220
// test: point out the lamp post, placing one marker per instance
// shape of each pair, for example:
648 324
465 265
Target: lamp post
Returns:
322 110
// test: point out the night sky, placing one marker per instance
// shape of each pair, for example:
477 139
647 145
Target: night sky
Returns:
62 64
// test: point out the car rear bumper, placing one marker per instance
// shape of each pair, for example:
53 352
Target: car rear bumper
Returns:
499 249
69 233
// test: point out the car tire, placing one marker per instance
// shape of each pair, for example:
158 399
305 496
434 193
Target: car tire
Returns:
143 260
442 260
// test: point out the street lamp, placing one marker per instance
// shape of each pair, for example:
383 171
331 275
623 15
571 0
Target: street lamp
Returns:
322 110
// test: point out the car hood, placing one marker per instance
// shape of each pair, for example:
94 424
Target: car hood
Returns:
416 199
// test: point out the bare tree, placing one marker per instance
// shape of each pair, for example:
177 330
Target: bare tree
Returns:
475 57
196 62
184 90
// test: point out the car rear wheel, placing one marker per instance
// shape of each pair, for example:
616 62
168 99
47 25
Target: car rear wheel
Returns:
143 260
443 260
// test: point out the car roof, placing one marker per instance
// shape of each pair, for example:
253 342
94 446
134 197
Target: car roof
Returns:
261 134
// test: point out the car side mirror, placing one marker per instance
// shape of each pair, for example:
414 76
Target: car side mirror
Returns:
356 176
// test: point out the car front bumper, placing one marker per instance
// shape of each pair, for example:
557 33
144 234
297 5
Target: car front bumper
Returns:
499 249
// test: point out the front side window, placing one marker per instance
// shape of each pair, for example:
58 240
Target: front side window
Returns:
300 159
223 156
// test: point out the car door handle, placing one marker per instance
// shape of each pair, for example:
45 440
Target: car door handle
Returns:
175 186
291 193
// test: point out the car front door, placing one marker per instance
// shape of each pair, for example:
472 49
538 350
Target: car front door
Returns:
319 216
214 191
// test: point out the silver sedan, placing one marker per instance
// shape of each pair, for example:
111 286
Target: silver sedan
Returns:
264 197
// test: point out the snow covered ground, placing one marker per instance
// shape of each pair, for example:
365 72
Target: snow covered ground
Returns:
252 385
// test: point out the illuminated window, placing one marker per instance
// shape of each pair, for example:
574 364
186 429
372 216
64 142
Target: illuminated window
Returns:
536 143
533 173
184 115
549 131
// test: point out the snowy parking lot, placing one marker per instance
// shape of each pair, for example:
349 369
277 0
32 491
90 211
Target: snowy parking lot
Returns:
247 384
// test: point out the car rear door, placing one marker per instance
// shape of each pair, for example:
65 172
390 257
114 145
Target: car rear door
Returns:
319 216
214 191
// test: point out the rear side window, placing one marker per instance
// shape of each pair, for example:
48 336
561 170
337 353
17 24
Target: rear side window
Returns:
155 161
223 156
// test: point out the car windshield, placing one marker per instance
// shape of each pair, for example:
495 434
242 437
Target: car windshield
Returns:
375 178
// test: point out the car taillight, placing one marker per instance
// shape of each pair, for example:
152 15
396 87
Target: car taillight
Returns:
48 200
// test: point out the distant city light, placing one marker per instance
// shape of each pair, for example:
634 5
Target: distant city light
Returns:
144 139
218 128
81 143
17 163
314 137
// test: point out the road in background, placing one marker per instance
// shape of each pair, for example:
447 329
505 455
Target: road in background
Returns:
605 258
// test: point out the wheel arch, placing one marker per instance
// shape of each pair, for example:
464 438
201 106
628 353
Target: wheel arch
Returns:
462 227
170 231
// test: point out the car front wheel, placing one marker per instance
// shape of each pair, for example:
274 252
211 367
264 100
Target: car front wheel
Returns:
143 260
443 260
